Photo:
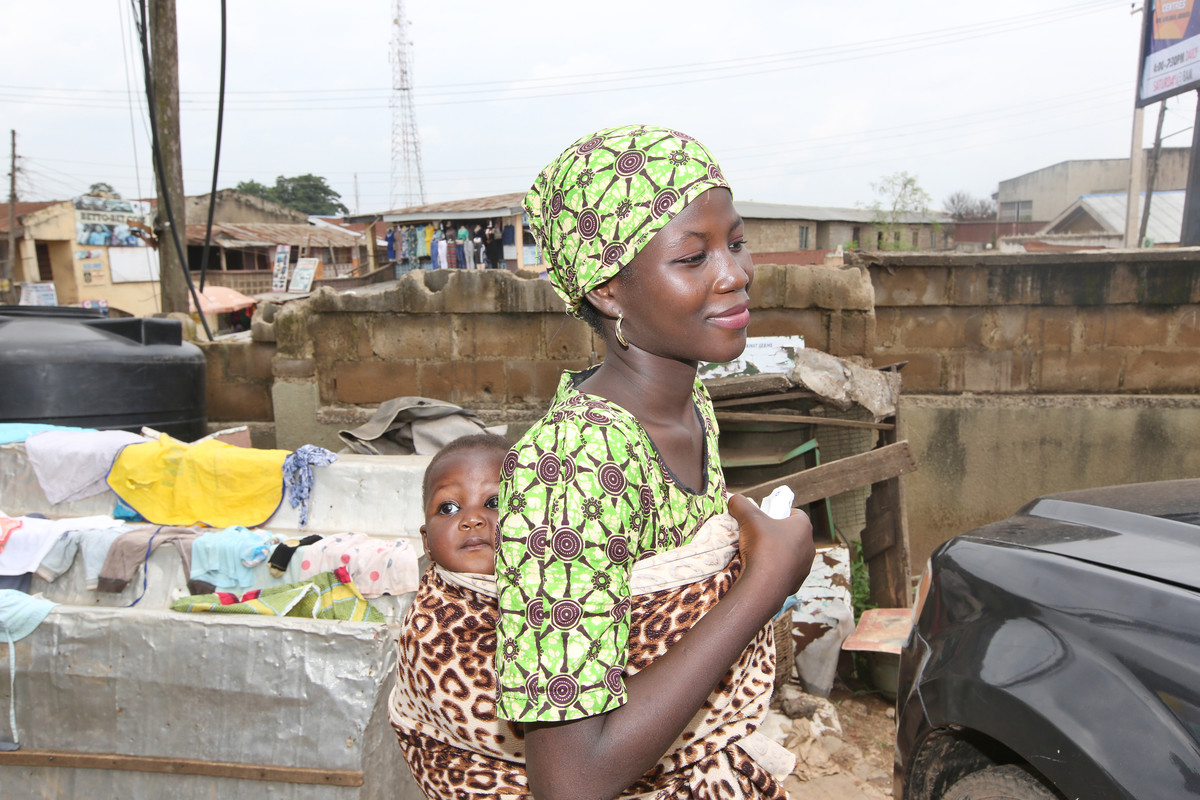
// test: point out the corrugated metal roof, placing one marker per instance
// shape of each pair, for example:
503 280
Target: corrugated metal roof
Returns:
750 209
508 204
268 235
496 205
1108 210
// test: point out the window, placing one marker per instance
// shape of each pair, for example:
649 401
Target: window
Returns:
803 237
856 235
45 271
1018 211
915 243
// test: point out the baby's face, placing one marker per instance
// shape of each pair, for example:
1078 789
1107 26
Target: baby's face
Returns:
461 518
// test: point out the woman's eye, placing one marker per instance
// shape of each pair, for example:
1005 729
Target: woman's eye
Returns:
738 245
447 508
693 259
492 502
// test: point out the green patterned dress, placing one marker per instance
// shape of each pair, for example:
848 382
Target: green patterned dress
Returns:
583 496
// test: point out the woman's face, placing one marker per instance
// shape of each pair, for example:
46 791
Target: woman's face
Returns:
685 295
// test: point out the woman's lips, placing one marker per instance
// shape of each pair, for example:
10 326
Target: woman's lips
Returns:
735 318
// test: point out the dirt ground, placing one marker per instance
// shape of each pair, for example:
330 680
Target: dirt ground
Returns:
843 745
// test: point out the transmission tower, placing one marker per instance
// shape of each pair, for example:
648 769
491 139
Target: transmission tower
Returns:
407 186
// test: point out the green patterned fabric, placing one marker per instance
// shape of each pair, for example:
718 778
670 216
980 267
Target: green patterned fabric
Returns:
596 205
326 595
583 496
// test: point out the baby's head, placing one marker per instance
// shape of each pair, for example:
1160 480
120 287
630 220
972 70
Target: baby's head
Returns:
461 496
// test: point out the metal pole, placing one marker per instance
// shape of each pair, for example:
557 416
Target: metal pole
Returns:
1189 234
1162 112
9 293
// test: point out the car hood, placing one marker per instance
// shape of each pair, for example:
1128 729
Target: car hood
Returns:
1148 529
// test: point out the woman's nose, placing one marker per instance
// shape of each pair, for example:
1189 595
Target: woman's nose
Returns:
735 275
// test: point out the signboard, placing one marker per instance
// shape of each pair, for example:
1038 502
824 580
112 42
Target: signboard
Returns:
38 294
762 354
133 264
110 222
279 276
100 304
302 277
1170 49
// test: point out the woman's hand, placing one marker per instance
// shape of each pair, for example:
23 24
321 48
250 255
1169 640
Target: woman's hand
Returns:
778 552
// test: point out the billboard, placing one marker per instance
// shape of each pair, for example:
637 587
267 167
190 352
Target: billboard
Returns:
1170 50
111 222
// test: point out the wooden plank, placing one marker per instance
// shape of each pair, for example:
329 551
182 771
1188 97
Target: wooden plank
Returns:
751 416
742 385
835 477
885 541
798 394
180 766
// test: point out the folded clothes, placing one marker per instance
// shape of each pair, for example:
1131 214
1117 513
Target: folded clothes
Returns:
132 549
226 558
73 464
25 541
327 595
20 431
211 482
92 544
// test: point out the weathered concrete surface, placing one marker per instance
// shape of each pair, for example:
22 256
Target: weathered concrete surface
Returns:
983 457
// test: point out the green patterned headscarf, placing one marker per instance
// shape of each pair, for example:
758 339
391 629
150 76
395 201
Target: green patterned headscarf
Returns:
596 205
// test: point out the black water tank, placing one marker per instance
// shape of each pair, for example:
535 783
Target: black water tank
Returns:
73 366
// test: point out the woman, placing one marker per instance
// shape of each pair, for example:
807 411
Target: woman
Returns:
623 691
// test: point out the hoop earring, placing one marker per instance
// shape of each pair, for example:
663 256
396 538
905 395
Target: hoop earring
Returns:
620 337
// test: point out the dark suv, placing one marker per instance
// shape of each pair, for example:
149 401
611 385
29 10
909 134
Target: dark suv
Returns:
1056 654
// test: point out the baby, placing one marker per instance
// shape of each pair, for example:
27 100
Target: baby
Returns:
443 707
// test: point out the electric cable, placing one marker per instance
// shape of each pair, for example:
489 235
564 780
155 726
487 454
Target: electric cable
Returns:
156 148
212 195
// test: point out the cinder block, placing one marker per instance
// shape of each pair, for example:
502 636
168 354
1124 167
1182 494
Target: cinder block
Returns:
412 337
293 367
333 336
1051 328
239 402
910 285
1090 371
922 373
483 336
1187 328
1137 326
809 323
563 337
365 382
462 382
1162 371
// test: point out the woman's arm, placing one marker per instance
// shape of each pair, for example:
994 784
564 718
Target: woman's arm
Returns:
600 756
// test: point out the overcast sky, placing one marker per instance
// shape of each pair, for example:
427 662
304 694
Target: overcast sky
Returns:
801 101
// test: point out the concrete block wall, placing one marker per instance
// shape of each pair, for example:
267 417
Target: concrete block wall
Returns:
497 342
1116 321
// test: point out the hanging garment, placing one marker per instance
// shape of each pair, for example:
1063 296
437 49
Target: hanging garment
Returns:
25 541
132 549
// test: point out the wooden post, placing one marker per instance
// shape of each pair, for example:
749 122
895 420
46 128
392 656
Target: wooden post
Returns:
885 537
164 56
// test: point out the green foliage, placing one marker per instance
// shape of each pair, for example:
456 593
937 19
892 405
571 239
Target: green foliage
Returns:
898 197
860 584
308 193
102 189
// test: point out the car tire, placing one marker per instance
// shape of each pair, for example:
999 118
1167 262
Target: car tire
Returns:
1008 782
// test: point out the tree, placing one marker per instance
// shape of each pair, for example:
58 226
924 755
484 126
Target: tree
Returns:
102 189
964 206
898 199
308 193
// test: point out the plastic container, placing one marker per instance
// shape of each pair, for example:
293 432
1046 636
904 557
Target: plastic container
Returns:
68 366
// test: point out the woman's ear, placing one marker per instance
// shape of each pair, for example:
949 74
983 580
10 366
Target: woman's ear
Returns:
604 300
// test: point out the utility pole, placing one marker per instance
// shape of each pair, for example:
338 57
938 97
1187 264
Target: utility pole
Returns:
164 59
9 270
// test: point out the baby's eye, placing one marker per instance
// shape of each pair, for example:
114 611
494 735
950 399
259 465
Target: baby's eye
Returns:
492 502
447 508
